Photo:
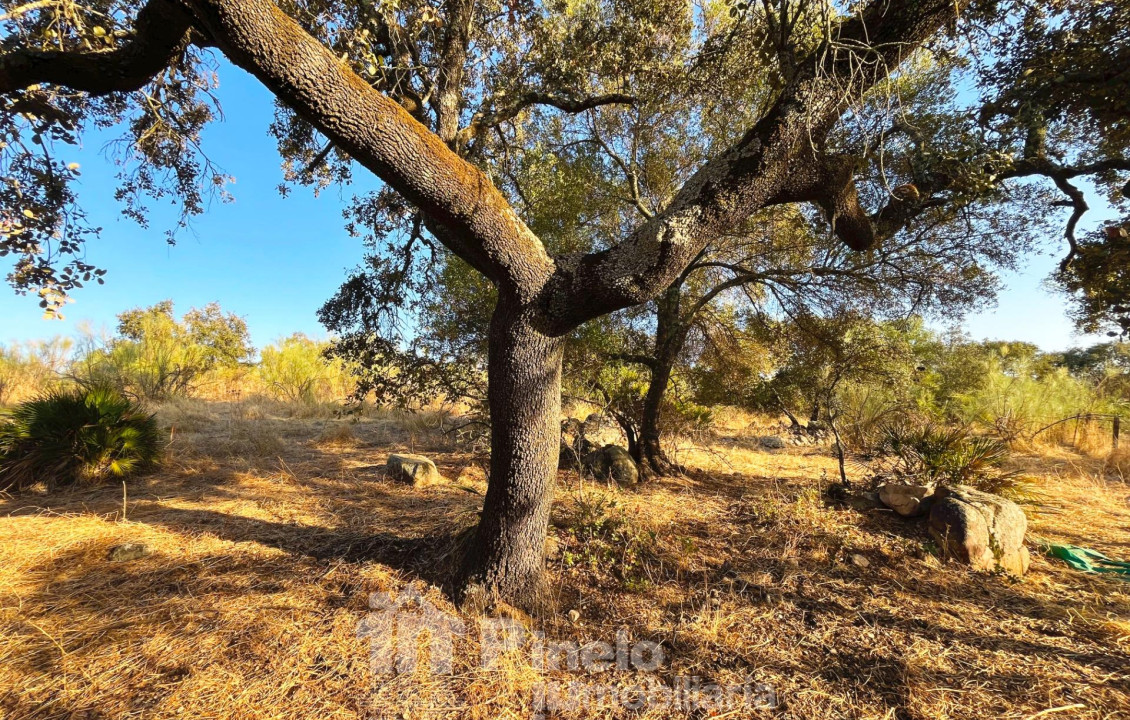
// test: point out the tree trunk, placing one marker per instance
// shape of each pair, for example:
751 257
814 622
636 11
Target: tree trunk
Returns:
650 450
670 334
506 557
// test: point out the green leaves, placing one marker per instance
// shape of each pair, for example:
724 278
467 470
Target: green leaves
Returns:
949 455
76 436
155 356
1098 280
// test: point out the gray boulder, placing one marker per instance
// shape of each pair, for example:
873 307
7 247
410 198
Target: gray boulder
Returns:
980 529
600 430
613 462
415 470
574 444
908 500
771 442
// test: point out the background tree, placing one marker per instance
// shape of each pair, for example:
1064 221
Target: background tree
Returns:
155 356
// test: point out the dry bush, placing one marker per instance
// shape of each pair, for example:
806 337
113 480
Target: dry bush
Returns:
301 410
425 420
1095 437
1118 464
31 369
187 414
1091 437
262 405
736 422
337 435
227 384
240 437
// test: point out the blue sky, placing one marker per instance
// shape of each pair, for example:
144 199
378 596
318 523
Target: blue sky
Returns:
271 259
274 260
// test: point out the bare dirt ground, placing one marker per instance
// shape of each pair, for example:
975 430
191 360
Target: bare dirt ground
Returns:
268 534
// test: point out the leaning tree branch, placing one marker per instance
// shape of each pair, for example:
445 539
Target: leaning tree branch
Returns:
904 208
483 121
162 32
737 281
460 205
779 159
645 360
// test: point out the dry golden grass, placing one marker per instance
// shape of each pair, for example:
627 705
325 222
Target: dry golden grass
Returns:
337 435
264 554
1118 464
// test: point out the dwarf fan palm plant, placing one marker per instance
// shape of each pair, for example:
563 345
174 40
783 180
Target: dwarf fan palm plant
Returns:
76 436
950 456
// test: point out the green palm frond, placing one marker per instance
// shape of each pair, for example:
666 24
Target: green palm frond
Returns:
76 436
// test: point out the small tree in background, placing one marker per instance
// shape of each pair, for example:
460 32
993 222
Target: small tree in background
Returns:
155 356
296 368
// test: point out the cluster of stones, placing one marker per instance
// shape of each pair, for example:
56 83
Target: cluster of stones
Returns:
609 461
978 528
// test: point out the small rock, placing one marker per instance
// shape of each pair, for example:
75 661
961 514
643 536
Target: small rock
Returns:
859 560
771 442
128 551
864 501
908 500
574 616
415 470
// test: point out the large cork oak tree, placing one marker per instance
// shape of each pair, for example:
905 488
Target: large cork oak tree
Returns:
422 155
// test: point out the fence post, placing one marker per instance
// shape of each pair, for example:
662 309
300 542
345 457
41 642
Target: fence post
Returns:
1117 429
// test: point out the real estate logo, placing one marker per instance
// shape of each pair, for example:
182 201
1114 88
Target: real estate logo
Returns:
403 627
407 633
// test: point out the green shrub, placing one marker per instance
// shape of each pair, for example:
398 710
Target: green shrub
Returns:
947 455
604 538
76 436
1013 403
296 369
157 357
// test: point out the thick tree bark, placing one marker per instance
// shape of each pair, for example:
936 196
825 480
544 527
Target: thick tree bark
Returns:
506 557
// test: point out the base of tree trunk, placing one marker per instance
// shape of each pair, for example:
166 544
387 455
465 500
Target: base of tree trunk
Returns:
481 589
506 558
653 462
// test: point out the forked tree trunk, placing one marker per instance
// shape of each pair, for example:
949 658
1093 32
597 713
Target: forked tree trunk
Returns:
506 557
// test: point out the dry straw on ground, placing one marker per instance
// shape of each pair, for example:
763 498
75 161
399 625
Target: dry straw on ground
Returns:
264 554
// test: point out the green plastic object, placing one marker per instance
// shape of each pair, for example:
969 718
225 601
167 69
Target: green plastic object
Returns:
1089 561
